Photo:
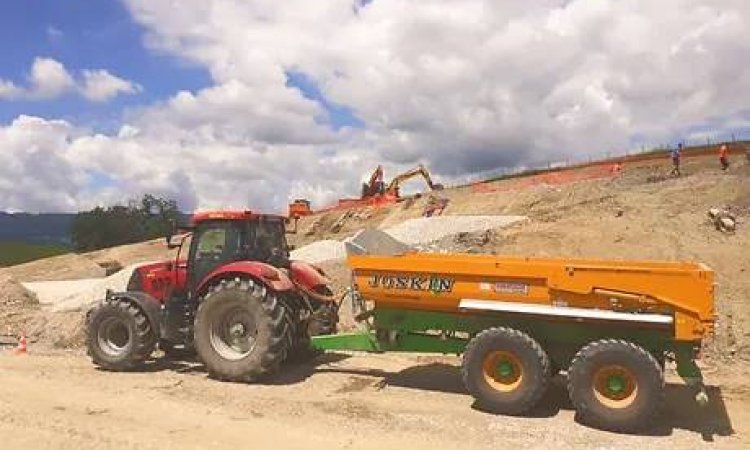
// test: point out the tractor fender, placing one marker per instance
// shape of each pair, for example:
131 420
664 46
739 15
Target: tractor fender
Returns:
265 273
148 304
308 275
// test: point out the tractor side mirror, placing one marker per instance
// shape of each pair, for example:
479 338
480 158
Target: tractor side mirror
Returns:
171 231
175 229
171 245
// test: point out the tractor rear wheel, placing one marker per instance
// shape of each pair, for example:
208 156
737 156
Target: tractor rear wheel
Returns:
240 331
616 385
506 370
119 335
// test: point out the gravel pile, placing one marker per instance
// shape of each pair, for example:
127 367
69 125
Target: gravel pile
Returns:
397 239
78 295
12 293
374 242
17 307
83 299
427 229
320 251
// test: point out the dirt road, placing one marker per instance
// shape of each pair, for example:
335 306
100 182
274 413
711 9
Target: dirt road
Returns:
59 400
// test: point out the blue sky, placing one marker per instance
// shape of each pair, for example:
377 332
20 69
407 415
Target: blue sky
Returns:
100 34
339 116
86 34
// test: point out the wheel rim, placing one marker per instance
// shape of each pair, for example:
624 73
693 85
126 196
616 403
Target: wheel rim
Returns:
502 370
113 336
233 334
615 386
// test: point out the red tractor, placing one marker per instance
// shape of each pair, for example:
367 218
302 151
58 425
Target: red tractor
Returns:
237 300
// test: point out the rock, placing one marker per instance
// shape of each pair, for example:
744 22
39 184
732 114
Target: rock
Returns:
727 224
723 220
374 242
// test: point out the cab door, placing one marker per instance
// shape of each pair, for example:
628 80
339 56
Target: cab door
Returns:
214 244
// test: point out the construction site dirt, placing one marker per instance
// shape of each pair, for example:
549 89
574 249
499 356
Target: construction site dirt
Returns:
53 397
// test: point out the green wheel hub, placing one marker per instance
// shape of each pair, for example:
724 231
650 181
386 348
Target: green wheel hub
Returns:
505 368
615 384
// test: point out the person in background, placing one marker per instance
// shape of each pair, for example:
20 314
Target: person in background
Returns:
724 156
676 155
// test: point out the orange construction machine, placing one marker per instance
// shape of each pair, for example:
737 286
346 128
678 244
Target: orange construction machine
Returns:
376 186
299 208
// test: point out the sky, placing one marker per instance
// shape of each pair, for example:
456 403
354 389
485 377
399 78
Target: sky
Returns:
250 103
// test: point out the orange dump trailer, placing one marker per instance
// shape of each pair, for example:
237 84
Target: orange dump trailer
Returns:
610 325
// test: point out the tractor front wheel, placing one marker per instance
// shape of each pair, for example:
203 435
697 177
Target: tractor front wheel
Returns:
119 335
240 331
506 370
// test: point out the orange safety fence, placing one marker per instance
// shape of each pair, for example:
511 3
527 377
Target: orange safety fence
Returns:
556 178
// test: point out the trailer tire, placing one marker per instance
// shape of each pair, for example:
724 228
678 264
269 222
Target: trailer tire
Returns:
616 385
506 370
240 331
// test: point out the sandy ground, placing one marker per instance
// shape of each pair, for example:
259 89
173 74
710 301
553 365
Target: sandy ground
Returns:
59 400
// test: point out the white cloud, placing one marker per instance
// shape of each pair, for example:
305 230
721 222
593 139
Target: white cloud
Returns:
465 87
49 79
101 86
36 174
54 34
9 90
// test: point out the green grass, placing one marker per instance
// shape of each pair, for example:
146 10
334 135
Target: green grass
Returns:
12 252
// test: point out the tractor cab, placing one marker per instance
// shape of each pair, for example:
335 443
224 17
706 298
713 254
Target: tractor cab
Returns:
223 237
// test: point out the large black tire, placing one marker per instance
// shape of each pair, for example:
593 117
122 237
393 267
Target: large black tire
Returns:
616 385
119 335
324 321
505 370
252 318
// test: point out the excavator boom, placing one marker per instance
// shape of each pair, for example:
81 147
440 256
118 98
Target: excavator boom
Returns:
394 185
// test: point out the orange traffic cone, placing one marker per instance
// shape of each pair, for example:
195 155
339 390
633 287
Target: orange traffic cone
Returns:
22 346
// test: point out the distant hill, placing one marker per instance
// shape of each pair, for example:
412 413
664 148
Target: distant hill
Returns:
36 228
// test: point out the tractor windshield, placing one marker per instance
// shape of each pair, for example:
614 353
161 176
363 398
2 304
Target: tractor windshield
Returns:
266 241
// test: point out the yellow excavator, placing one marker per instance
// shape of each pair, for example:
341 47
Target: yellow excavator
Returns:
376 185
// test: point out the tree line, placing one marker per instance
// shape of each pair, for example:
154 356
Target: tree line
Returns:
137 221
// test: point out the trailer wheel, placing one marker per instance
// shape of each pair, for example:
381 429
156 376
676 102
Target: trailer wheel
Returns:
615 385
505 370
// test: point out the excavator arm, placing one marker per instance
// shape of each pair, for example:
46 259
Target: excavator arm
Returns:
419 170
373 187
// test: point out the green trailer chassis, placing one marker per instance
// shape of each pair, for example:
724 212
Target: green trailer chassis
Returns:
449 333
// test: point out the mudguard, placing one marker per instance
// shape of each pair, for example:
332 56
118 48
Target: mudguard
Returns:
308 275
265 273
148 304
